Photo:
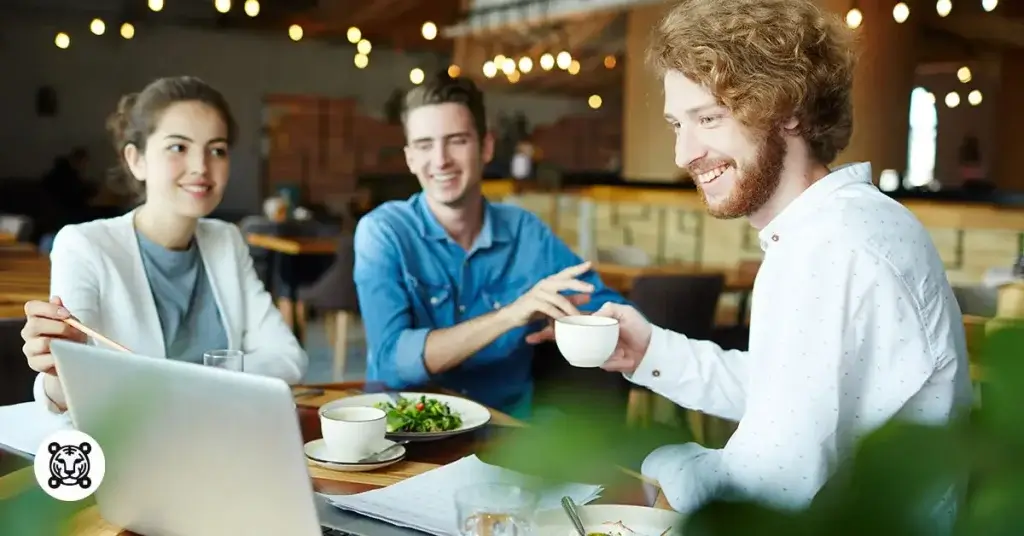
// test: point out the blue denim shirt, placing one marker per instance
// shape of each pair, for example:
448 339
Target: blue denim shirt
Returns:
411 278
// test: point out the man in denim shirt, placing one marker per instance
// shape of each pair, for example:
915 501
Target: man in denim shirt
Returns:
453 288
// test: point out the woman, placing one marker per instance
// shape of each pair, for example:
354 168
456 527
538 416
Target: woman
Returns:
161 279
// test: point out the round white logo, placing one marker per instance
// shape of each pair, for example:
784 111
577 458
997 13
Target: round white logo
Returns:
69 465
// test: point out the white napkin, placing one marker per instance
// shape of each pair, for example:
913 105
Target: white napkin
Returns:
23 427
426 502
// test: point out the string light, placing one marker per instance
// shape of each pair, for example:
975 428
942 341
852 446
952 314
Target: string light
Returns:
62 40
416 76
547 62
490 69
361 61
594 101
222 6
943 7
251 7
295 32
364 47
563 60
901 12
127 30
156 5
574 67
354 35
854 18
97 26
429 31
454 71
964 74
952 99
989 5
525 64
513 77
609 62
508 66
974 97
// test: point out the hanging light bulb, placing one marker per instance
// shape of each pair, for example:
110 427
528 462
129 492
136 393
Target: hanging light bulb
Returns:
547 62
974 97
222 6
354 35
62 40
574 67
854 18
127 30
513 77
508 66
563 60
943 7
361 61
364 47
429 31
901 12
490 69
609 62
156 5
964 74
594 101
416 76
525 64
251 7
97 26
989 5
454 71
295 32
952 99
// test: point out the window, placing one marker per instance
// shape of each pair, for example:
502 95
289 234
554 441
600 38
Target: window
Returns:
924 124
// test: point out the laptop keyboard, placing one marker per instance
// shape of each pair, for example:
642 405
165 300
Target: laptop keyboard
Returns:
328 531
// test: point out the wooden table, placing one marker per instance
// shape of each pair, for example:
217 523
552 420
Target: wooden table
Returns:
621 277
420 458
24 276
293 245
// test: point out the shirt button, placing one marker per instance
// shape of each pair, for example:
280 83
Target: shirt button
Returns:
462 308
656 373
775 238
433 300
497 305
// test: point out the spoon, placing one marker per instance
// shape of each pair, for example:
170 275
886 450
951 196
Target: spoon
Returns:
382 455
570 510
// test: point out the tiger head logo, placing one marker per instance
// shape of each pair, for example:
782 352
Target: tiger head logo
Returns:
69 465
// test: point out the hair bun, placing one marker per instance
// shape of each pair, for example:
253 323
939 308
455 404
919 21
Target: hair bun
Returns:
119 121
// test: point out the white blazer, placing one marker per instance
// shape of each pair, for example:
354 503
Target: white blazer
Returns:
97 271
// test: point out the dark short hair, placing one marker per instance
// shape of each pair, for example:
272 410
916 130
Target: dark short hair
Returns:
443 89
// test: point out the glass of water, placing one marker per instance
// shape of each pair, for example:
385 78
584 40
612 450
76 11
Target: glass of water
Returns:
225 359
495 510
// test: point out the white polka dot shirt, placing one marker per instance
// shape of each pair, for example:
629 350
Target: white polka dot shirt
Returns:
853 322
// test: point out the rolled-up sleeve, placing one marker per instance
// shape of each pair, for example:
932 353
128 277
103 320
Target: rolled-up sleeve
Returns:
394 346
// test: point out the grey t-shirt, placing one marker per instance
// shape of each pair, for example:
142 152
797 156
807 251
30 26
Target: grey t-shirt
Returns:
189 317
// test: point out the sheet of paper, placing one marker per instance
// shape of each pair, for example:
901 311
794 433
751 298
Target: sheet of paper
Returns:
23 427
426 502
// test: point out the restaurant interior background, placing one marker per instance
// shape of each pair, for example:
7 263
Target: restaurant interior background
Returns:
313 85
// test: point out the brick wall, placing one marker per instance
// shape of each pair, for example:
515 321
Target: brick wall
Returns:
324 144
590 141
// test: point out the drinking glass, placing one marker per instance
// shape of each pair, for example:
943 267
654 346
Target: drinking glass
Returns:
495 510
225 359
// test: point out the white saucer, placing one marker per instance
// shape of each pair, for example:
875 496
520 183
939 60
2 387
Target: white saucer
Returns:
317 453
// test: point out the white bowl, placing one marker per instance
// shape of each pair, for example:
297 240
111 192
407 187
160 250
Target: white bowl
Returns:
586 341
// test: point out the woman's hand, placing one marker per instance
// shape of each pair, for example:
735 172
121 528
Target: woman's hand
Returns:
45 322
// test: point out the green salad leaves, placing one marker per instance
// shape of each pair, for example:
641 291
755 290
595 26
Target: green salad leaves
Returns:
423 415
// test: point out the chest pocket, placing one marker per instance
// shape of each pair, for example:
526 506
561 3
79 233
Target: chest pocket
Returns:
433 303
503 293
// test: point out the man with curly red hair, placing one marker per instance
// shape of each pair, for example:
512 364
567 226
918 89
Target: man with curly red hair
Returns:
853 320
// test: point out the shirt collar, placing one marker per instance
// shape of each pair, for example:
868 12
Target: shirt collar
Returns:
495 229
807 202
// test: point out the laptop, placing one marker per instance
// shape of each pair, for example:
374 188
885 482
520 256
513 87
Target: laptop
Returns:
195 450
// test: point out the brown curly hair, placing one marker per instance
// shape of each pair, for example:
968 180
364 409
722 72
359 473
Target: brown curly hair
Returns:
767 61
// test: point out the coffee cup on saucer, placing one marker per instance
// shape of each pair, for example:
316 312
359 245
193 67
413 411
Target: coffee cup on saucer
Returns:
354 432
585 340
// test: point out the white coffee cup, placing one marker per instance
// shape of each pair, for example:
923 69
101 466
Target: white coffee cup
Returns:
352 433
586 341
